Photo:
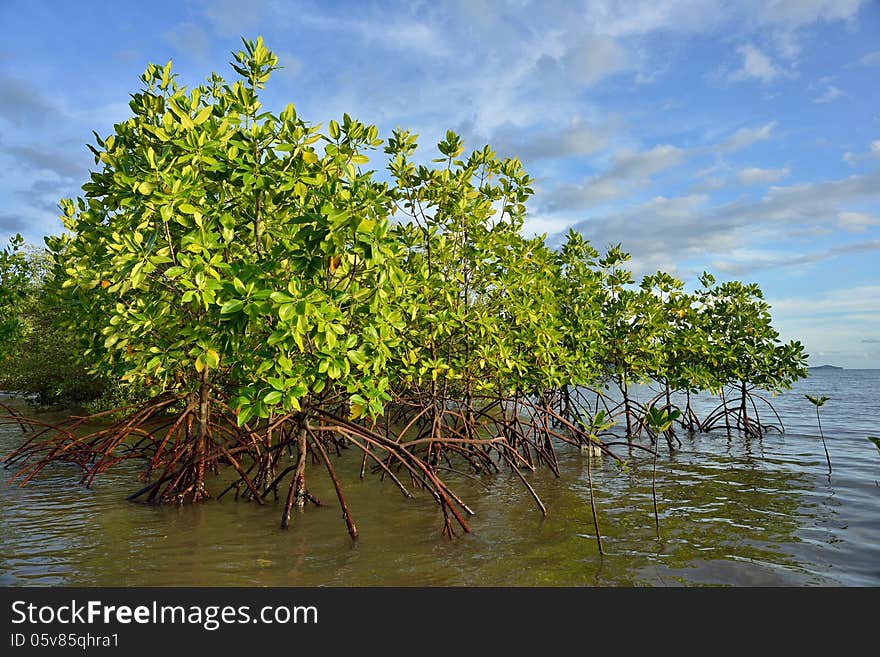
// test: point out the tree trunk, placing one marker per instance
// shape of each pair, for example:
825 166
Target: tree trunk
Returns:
297 494
726 414
199 491
624 389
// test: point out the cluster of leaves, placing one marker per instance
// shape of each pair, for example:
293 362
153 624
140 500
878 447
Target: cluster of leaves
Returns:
215 236
494 316
39 357
13 289
483 314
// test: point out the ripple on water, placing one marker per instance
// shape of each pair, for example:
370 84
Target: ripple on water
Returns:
732 513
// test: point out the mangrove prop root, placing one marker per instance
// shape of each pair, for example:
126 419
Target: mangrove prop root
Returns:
349 523
182 438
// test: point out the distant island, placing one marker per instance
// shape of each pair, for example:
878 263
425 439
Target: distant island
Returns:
825 367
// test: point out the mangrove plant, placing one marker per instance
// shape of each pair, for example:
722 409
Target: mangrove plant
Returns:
271 299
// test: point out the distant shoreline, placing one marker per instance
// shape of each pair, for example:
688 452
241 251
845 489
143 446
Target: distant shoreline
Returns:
825 367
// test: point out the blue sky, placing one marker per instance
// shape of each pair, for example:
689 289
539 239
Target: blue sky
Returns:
738 137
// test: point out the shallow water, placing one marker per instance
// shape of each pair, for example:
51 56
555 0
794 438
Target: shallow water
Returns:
732 512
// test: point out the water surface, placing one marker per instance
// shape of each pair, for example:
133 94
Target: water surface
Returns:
733 512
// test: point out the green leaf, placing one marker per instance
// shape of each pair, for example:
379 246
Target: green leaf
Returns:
203 115
272 397
334 129
286 311
212 358
231 306
298 338
244 414
281 297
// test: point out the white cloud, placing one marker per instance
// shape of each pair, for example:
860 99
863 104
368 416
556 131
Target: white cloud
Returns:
36 157
709 185
639 17
756 65
290 64
595 58
744 178
25 107
856 222
537 224
407 36
737 265
748 136
393 33
678 207
189 38
628 170
871 59
575 139
787 44
858 299
690 228
796 13
232 17
873 152
628 164
837 326
831 94
590 192
807 202
755 175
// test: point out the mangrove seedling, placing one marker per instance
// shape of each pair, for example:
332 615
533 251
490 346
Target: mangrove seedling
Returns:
659 422
599 422
817 402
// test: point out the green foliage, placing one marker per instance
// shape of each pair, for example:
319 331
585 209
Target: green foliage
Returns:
742 343
580 316
217 236
483 317
599 422
13 286
817 401
661 420
43 360
629 321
